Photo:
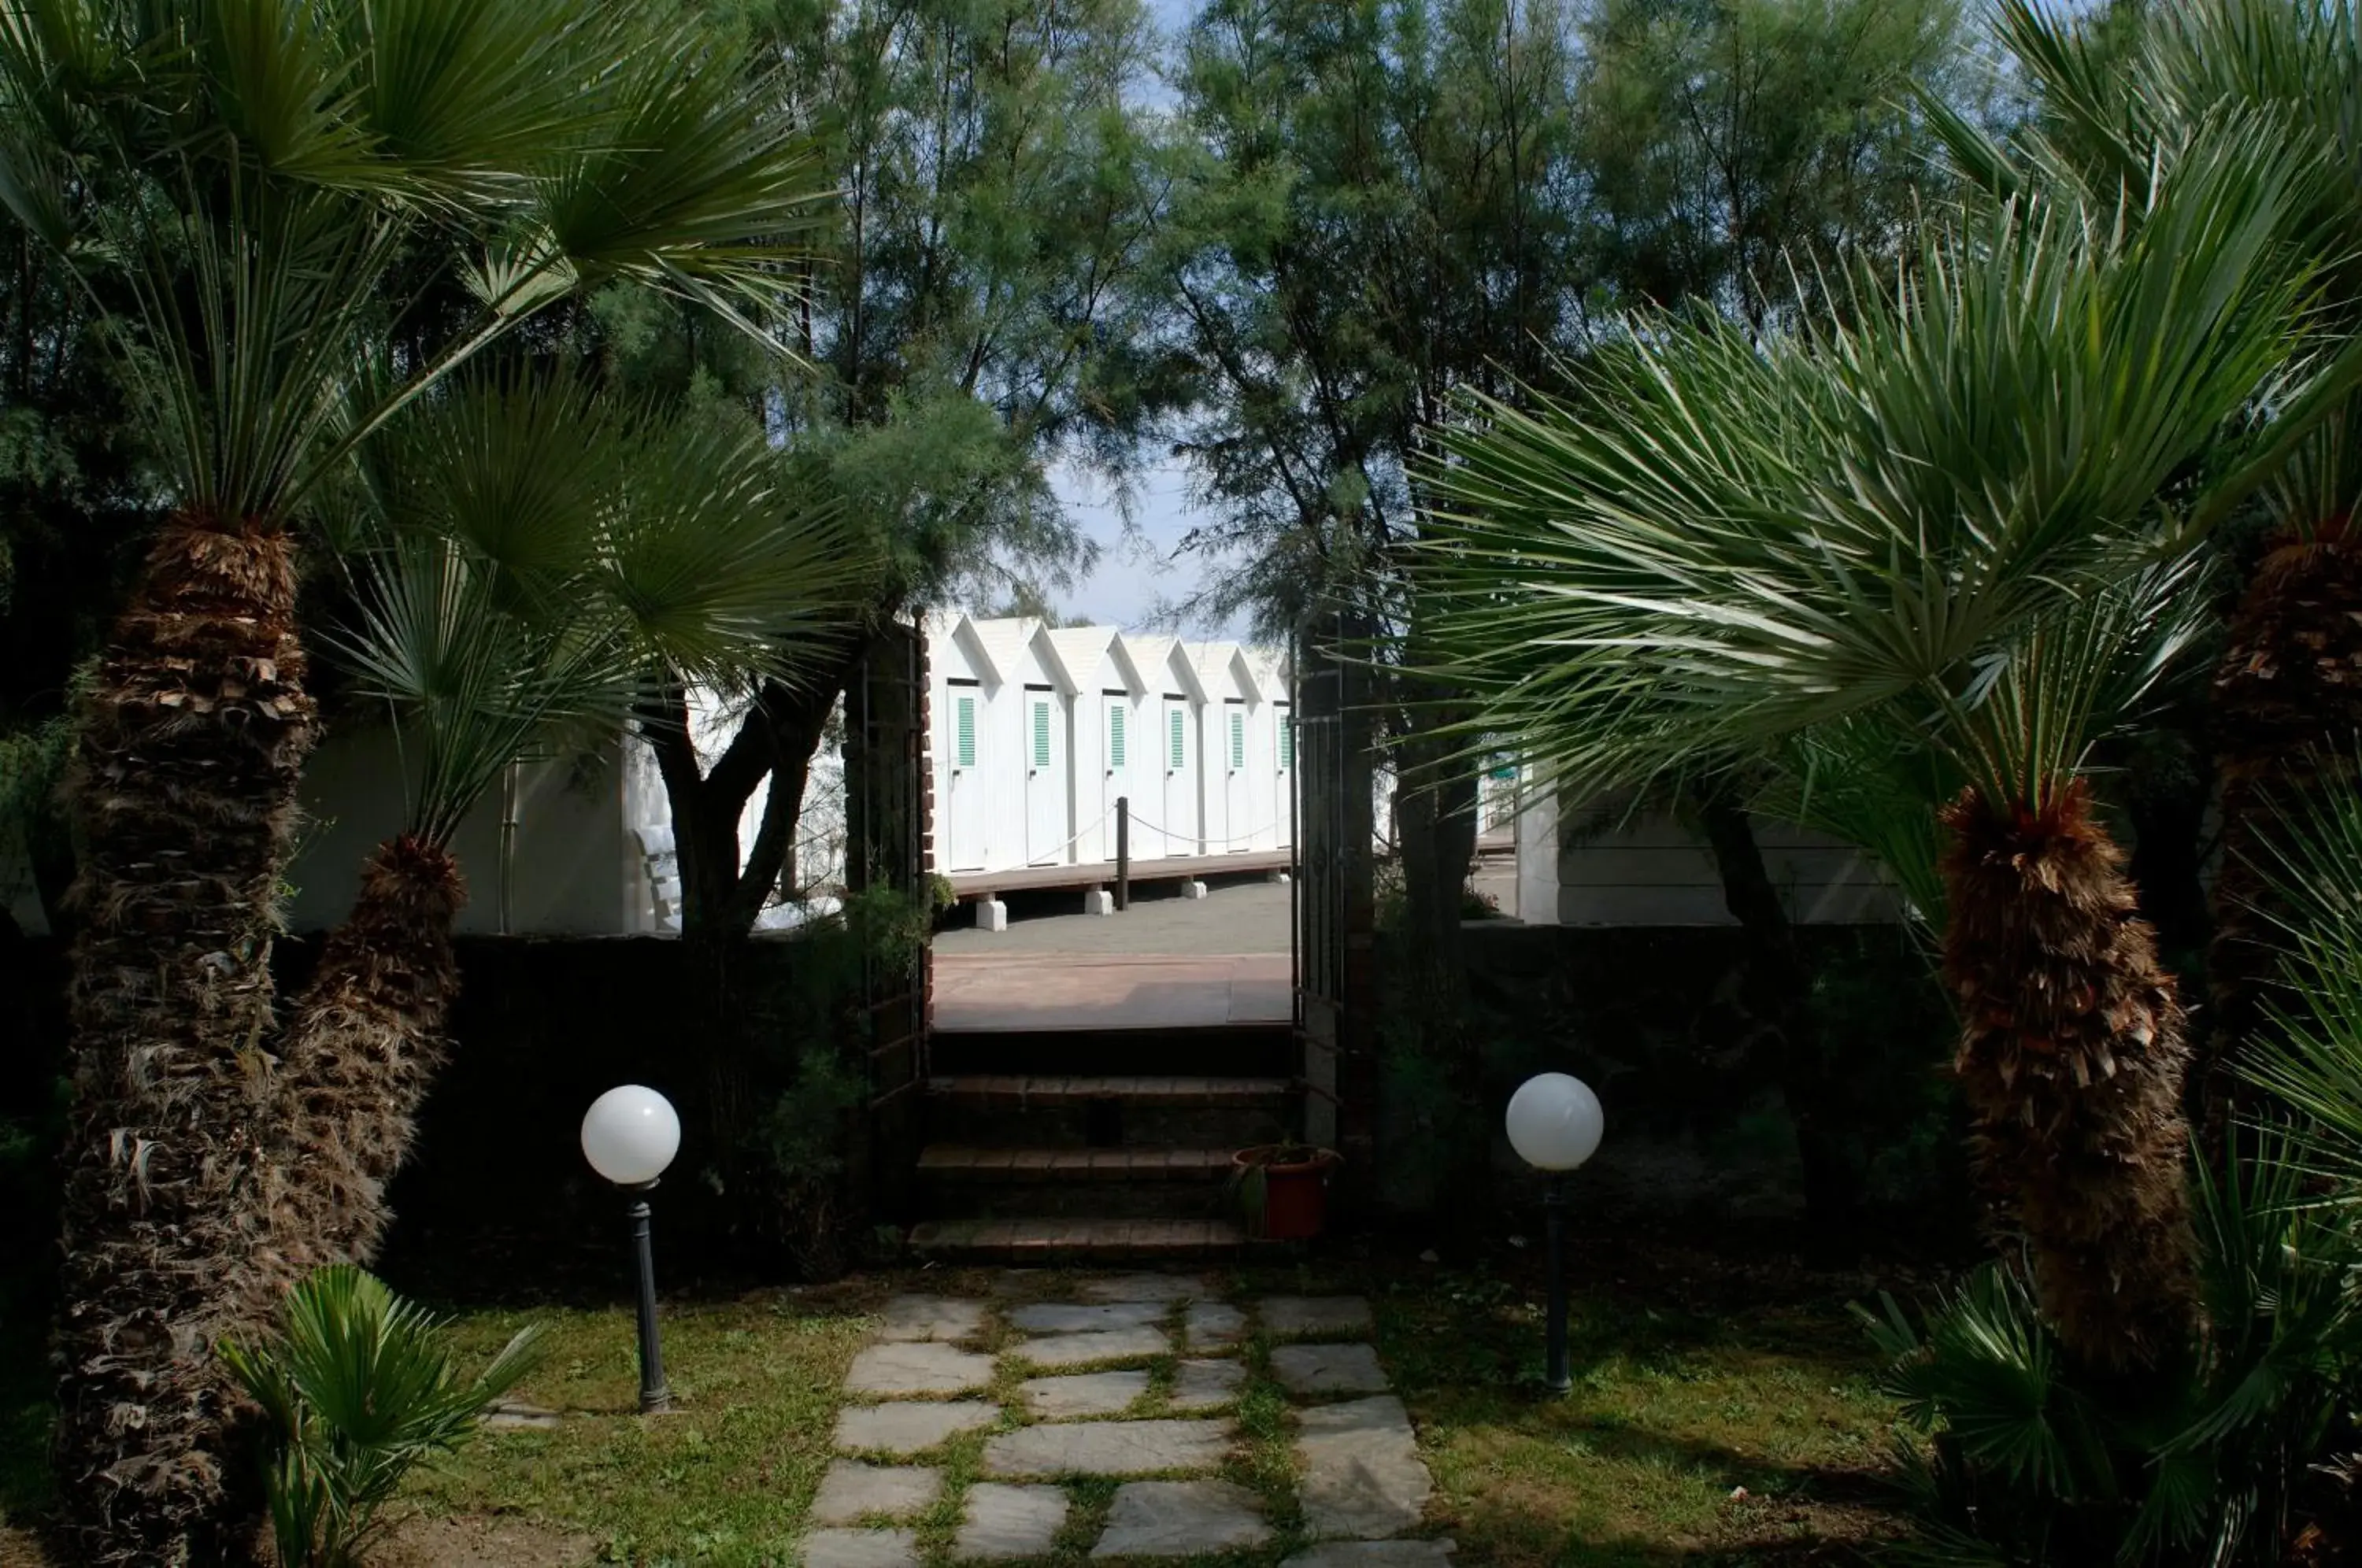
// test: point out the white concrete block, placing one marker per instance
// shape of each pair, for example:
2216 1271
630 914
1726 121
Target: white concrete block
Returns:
1098 901
1193 889
1279 878
991 914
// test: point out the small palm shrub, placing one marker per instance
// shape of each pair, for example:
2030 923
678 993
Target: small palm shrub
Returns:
2222 1457
355 1388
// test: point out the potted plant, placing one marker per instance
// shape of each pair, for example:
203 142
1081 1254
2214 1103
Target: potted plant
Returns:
1284 1187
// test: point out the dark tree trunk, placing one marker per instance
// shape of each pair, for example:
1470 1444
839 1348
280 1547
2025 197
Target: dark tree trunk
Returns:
2288 720
1778 992
2071 1061
724 885
185 786
361 1050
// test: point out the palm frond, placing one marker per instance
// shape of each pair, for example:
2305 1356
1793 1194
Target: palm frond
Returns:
1934 512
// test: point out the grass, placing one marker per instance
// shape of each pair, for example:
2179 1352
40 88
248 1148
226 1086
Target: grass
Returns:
1678 1406
1683 1398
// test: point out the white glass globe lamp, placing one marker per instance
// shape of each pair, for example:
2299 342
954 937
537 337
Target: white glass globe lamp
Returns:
630 1135
1555 1123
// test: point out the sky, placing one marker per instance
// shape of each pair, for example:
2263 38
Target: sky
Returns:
1138 575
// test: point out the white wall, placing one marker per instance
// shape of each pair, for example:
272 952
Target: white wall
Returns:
1653 871
574 871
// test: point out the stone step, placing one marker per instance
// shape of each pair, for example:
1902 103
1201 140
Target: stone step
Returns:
1236 1050
961 1163
1023 1089
1060 1111
1078 1239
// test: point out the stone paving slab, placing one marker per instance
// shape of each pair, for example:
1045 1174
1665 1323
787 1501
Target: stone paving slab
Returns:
1087 1394
1108 1448
1058 1317
1214 1325
920 1367
1328 1369
1181 1519
1377 1554
1362 1475
1010 1521
1104 1344
1148 1287
861 1549
852 1491
932 1318
907 1428
1309 1316
1207 1384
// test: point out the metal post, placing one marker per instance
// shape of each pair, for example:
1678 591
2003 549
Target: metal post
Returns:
1124 852
655 1396
1561 1381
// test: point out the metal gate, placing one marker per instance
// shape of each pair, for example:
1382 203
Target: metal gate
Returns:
888 789
1335 908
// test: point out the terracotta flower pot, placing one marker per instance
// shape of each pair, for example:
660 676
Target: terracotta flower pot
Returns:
1295 1189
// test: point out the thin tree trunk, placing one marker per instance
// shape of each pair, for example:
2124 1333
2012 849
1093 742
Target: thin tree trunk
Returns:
2071 1061
1778 991
361 1051
185 786
2288 719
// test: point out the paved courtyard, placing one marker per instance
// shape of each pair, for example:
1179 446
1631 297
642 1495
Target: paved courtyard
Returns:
1108 1418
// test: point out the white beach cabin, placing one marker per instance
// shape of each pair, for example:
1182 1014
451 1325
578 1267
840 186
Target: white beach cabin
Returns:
1168 808
1237 803
1110 709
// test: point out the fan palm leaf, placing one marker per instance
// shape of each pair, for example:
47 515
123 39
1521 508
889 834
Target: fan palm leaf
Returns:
279 186
2287 688
1964 517
536 559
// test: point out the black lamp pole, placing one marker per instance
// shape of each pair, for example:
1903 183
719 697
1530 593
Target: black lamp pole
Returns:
1561 1381
655 1396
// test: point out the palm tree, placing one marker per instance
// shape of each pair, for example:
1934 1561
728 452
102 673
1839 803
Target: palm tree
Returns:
532 562
2288 686
316 212
1942 521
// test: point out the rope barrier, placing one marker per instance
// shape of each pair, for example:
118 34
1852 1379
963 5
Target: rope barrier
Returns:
1140 821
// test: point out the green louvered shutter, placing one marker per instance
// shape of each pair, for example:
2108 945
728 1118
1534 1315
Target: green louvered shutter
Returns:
1041 734
1286 742
964 748
1180 756
1237 743
1115 738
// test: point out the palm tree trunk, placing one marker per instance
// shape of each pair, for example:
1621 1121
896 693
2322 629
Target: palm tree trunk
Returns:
2071 1061
2288 709
185 786
362 1049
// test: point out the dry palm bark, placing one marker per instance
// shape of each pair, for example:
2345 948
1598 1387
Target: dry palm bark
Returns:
2071 1059
185 791
362 1049
2287 711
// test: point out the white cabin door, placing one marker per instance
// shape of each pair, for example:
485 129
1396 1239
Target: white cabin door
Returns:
1047 778
966 812
1239 819
1283 797
1181 811
1115 771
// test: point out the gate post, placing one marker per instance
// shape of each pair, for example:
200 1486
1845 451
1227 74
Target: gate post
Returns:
1335 898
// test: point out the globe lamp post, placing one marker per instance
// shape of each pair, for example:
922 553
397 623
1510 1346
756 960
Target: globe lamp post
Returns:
630 1135
1555 1124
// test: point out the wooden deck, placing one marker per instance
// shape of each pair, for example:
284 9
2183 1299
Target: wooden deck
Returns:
1101 873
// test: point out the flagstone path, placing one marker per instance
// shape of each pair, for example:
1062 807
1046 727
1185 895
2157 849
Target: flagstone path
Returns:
967 1420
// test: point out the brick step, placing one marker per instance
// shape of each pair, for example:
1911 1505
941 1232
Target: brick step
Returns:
1051 1111
1078 1239
1237 1050
957 1162
1050 1089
